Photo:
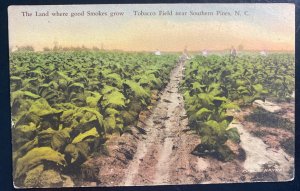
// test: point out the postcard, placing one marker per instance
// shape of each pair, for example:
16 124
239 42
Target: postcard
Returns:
152 94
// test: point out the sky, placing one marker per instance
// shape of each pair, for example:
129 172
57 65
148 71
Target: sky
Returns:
258 27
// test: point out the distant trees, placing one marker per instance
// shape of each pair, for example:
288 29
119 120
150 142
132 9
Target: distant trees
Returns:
55 47
46 49
95 48
72 48
22 48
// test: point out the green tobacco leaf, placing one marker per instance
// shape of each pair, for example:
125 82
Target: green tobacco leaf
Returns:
205 98
24 149
36 157
41 108
150 80
45 137
60 139
17 95
15 78
115 98
230 105
90 133
213 124
111 122
202 112
137 89
111 111
155 80
240 82
196 85
129 116
75 88
77 153
220 98
218 128
233 134
88 118
116 77
31 95
242 88
258 87
60 75
92 101
27 128
108 89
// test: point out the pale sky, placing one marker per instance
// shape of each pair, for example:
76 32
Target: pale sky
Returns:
264 27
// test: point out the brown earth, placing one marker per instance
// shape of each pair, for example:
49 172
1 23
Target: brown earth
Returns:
272 136
269 148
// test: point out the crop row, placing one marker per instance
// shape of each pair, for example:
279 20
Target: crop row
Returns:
215 84
64 104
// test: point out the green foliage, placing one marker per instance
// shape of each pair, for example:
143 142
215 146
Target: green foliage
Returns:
60 139
67 102
136 89
38 156
115 99
41 108
212 84
90 133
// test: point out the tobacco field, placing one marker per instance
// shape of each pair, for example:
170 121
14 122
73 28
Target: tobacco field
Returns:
108 118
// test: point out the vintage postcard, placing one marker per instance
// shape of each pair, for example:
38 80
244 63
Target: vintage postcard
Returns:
152 94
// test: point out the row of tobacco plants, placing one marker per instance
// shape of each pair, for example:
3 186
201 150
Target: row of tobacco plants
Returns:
65 105
215 84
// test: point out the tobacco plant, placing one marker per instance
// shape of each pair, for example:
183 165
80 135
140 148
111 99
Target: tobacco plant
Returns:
65 104
212 85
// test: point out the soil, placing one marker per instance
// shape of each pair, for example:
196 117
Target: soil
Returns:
269 148
273 136
159 151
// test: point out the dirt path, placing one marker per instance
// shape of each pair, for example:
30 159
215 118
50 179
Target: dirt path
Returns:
161 156
163 146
